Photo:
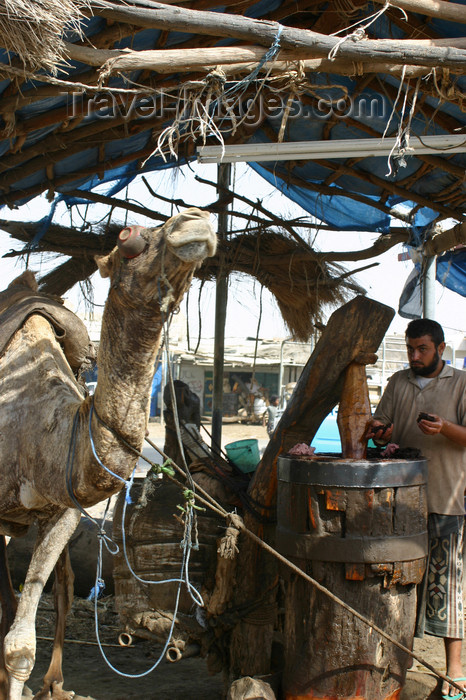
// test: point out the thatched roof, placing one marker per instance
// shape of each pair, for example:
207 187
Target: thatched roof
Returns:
146 84
302 285
34 31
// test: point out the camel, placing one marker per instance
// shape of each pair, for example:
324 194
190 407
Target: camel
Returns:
48 468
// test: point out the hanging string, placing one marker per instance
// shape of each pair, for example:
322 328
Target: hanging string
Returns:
98 583
111 546
269 55
359 33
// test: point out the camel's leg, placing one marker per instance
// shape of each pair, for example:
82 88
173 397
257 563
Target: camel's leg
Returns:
20 642
8 611
63 598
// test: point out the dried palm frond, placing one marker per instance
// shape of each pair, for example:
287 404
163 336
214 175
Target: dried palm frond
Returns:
34 30
302 285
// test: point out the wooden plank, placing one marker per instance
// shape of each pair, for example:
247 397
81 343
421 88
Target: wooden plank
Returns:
292 507
335 499
359 512
382 520
355 572
410 515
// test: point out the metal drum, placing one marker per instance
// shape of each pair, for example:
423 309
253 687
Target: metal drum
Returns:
359 527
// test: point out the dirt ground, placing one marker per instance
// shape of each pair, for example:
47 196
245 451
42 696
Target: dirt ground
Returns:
88 674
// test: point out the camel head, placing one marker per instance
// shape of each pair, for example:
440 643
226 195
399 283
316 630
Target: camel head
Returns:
151 263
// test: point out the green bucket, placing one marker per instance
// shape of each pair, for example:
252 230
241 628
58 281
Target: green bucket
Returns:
244 454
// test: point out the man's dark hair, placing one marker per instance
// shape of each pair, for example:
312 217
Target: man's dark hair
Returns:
425 326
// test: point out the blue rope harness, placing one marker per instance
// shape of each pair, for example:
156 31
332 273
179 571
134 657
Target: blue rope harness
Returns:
113 548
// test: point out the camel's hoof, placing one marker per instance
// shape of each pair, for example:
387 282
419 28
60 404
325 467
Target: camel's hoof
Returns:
54 692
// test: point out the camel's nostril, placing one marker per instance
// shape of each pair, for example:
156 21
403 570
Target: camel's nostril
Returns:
130 242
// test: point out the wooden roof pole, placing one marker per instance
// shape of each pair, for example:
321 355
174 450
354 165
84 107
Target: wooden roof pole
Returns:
221 299
172 18
451 11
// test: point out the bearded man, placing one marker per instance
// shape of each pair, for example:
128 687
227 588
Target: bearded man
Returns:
425 407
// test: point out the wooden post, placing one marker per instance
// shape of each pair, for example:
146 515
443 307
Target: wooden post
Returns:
221 299
354 411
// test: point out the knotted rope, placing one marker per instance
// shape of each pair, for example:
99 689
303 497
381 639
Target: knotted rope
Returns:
228 548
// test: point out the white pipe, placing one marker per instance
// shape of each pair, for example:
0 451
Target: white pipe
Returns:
331 148
177 652
428 287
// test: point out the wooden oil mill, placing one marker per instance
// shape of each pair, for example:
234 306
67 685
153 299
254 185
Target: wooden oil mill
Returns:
359 527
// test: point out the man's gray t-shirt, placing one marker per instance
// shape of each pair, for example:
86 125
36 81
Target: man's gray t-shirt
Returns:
445 396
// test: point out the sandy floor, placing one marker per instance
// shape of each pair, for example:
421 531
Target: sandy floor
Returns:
89 675
230 432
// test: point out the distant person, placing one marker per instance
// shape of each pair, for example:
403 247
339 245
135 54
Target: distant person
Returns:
270 415
425 407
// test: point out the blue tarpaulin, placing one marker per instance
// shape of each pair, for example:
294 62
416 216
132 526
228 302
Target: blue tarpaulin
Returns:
451 271
155 391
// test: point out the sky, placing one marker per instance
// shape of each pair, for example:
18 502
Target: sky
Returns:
383 283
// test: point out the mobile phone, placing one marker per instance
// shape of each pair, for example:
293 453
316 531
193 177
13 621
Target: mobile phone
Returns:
425 416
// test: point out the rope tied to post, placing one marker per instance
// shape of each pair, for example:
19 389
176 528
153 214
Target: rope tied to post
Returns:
228 548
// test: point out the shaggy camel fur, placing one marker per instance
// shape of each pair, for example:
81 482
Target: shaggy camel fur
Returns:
44 419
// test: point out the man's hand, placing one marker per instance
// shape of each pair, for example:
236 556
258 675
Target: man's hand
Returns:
431 427
440 426
379 432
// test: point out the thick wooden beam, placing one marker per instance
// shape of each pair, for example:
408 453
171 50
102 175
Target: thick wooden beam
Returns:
358 326
446 240
266 33
451 11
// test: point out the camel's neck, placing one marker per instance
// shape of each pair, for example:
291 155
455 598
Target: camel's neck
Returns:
128 348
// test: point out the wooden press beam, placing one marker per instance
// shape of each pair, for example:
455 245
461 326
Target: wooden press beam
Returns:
357 327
